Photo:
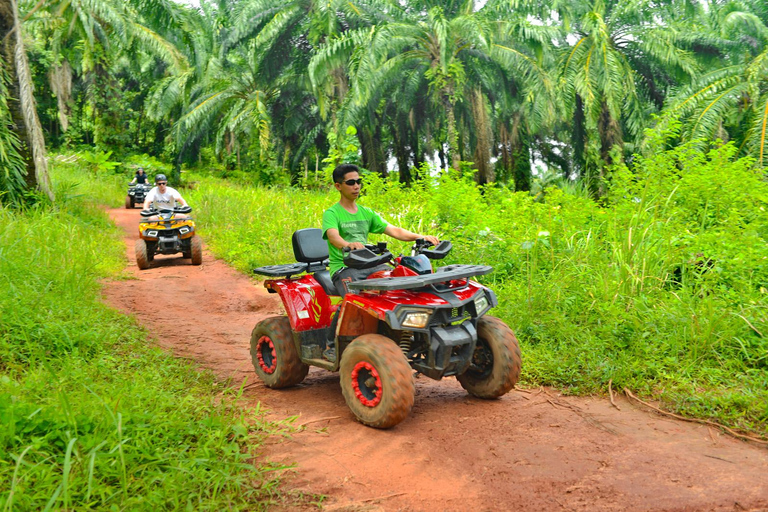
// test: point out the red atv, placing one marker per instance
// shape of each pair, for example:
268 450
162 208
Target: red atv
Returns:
397 321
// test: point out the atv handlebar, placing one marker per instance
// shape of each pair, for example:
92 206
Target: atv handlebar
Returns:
156 211
368 257
439 252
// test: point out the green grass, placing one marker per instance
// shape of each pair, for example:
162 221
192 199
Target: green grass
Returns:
92 415
662 288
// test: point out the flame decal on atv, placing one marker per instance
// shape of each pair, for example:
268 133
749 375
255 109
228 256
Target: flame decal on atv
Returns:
314 306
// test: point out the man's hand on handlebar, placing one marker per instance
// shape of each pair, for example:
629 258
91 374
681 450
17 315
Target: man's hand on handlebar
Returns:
353 246
431 239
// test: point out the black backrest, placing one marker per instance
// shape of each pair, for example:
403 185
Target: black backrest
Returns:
309 246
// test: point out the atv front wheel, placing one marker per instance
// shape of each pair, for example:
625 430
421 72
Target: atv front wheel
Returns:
274 353
128 202
495 365
142 260
377 381
196 250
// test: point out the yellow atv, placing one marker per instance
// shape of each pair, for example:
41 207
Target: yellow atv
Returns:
163 232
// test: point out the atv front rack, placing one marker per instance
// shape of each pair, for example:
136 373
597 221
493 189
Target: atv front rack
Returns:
441 275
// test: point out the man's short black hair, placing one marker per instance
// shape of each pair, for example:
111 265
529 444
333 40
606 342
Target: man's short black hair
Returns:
341 170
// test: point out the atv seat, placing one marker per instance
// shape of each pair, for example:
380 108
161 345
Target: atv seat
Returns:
310 248
324 278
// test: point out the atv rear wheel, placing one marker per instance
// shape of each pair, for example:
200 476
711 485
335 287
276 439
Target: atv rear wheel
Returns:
495 365
142 260
128 202
377 381
196 250
274 353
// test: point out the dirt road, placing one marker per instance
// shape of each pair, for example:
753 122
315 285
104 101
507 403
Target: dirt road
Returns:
532 450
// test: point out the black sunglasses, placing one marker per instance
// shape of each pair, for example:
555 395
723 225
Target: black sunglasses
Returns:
161 183
359 181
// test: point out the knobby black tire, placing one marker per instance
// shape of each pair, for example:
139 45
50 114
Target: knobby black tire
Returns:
128 203
196 250
289 370
142 260
495 378
398 389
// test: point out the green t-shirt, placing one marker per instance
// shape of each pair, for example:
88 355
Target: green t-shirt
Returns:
352 228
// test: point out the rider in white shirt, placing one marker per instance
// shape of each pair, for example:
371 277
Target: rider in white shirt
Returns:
163 196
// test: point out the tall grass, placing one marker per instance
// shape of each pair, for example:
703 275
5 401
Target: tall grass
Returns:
92 416
661 288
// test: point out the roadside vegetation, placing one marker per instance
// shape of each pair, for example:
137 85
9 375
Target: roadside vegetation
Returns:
661 287
92 414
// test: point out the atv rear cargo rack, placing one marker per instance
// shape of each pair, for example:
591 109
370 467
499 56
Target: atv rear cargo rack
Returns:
441 275
290 269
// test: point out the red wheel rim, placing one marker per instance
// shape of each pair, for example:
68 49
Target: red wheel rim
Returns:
366 382
265 351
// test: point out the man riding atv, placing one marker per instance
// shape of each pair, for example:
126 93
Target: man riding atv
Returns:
409 318
166 228
137 189
346 226
140 177
163 197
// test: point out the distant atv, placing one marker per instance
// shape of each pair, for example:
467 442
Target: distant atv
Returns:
397 321
136 195
167 235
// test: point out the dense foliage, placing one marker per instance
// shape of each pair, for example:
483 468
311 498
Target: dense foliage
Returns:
91 415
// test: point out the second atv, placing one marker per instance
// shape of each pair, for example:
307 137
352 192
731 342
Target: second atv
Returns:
136 195
391 324
167 231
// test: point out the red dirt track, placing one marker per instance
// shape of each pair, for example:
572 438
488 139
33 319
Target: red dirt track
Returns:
531 450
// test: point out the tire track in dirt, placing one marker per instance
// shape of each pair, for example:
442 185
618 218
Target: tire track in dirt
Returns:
531 450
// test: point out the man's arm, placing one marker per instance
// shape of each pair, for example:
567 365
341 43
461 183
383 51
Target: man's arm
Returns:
148 200
181 200
407 236
335 238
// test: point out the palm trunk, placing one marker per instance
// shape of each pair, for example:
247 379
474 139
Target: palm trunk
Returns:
22 101
401 155
60 79
610 137
453 136
483 135
515 153
370 144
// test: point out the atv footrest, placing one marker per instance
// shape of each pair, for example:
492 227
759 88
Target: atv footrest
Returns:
285 270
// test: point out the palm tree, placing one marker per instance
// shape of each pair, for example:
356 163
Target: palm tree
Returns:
231 107
622 56
732 100
440 72
88 40
23 114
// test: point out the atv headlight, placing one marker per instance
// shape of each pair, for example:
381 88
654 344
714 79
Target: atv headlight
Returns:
416 319
481 304
152 233
184 230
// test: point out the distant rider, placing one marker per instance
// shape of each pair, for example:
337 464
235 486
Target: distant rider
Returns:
163 197
347 225
140 177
